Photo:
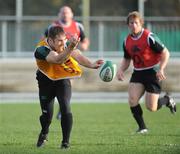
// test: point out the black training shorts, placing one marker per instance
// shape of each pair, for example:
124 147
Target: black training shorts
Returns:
148 79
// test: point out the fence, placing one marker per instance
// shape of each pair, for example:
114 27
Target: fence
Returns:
19 37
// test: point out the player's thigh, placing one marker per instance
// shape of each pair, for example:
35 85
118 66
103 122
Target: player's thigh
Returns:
151 101
46 92
135 91
64 92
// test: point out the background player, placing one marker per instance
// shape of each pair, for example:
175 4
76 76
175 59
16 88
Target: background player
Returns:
150 58
71 27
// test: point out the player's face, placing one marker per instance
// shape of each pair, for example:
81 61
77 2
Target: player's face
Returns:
66 14
59 42
135 25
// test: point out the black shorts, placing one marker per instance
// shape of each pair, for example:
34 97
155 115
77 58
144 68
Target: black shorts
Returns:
148 79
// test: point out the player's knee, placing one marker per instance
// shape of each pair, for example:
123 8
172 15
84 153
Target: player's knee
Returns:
65 109
45 118
151 108
133 101
67 117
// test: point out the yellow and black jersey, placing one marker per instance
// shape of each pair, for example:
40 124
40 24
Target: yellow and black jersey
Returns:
69 69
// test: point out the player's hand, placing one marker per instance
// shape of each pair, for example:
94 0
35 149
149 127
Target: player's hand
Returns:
160 75
120 75
97 64
73 42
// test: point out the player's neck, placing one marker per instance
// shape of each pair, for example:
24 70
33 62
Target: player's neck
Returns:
65 23
136 35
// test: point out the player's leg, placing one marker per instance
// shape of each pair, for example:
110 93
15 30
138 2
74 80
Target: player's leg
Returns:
45 121
46 97
154 102
58 116
152 99
136 91
63 94
170 103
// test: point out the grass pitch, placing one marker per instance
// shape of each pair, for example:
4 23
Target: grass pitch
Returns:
98 129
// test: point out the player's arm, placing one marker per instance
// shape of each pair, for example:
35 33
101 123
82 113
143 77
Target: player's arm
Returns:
61 57
85 61
157 46
125 62
45 53
122 68
84 41
84 45
164 59
58 58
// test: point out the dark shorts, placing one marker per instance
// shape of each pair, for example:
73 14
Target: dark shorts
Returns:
148 79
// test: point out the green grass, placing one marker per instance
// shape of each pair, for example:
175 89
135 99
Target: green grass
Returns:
97 129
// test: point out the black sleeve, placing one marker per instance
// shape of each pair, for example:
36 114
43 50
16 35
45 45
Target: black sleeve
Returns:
126 55
82 34
41 53
155 43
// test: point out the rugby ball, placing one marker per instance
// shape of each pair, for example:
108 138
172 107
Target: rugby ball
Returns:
107 71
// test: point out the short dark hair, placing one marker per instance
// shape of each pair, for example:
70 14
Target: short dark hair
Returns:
54 30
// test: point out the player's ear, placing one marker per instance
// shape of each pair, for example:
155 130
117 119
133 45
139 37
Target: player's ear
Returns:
72 14
50 40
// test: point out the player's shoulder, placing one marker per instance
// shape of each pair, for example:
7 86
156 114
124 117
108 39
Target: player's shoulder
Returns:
126 39
56 22
155 42
79 25
152 38
42 49
41 52
146 31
